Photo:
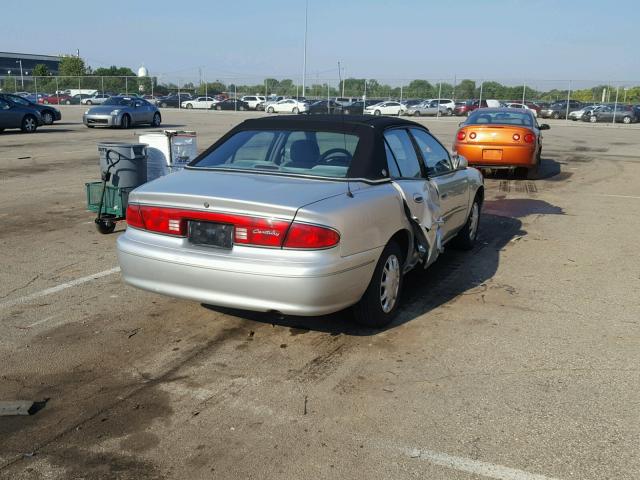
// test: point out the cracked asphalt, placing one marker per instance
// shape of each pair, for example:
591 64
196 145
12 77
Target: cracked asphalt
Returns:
522 354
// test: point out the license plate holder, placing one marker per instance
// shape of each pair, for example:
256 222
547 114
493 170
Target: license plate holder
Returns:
210 234
492 154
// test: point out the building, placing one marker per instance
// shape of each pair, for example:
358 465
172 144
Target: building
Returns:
10 62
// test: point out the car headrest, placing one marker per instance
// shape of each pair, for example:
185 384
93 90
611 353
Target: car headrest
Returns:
304 153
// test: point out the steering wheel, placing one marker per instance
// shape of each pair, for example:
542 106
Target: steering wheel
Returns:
341 155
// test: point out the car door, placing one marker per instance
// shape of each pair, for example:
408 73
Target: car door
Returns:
409 178
6 115
452 185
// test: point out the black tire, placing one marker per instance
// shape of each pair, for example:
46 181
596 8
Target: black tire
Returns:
189 106
377 113
157 120
105 226
68 102
449 111
89 126
295 110
29 124
465 239
47 117
1 130
241 108
416 113
270 110
593 119
369 311
555 115
89 102
125 123
218 107
163 105
626 119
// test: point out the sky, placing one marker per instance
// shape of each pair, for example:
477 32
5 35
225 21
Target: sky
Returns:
394 40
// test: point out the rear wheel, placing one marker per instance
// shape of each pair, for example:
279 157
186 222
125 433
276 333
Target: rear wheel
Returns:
89 102
163 105
416 113
47 118
156 120
270 110
241 108
593 119
29 124
377 112
466 238
67 102
189 105
295 110
626 119
379 304
105 226
125 122
555 115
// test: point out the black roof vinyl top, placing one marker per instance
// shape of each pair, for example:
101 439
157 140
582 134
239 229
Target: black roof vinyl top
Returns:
335 122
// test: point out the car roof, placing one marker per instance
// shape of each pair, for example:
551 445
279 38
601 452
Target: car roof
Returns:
334 122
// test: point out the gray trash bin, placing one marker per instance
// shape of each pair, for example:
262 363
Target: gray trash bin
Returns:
129 162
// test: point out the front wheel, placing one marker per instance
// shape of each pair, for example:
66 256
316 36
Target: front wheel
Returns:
47 118
593 119
270 110
377 113
241 108
189 106
555 115
626 119
295 110
379 304
163 105
466 238
125 122
416 113
89 102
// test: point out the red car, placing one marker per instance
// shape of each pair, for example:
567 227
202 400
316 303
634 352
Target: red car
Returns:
465 108
55 100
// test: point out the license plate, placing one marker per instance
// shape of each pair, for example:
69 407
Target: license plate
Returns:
210 234
492 154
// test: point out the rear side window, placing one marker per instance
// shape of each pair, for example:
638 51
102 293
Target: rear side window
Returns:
404 161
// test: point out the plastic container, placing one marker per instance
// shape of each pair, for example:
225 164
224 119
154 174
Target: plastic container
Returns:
129 162
168 151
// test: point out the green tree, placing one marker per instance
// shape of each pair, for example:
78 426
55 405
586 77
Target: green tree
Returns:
466 89
419 89
72 66
41 70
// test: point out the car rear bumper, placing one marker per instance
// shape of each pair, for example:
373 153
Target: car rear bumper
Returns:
101 120
511 156
307 284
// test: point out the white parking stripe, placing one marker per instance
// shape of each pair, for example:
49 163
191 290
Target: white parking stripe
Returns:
58 288
616 196
475 467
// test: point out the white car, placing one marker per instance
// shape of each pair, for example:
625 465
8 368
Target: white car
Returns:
253 100
384 108
447 103
97 99
288 105
200 102
522 106
578 114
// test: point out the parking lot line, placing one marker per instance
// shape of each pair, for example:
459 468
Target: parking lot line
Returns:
617 196
475 467
58 288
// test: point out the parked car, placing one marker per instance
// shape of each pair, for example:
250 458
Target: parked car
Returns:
274 217
48 113
522 106
122 112
357 108
606 113
559 109
465 108
428 107
56 99
269 101
447 103
253 101
152 99
581 112
199 102
174 100
14 115
231 104
96 99
34 98
345 101
78 97
500 138
288 105
324 106
384 108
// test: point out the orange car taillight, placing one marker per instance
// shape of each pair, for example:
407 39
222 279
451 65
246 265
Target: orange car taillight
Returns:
247 230
302 235
529 138
516 137
472 135
462 135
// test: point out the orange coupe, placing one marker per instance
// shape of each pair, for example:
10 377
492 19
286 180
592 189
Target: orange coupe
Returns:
501 138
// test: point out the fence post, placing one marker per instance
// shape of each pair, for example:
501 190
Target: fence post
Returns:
615 106
179 102
57 87
480 100
35 86
126 85
439 95
235 98
524 90
566 117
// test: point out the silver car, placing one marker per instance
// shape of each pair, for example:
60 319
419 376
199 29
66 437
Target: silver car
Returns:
123 112
302 216
429 107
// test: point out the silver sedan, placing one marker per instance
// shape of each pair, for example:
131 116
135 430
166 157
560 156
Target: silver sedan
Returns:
302 216
122 112
426 108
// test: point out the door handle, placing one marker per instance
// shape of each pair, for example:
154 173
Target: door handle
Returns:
444 195
418 198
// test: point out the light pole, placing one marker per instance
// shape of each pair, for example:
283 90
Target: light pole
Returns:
21 74
304 56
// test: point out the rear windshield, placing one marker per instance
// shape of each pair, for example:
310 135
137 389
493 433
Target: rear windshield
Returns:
500 118
317 153
124 101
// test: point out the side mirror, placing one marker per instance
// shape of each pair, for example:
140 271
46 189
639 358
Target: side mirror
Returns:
545 126
461 124
459 162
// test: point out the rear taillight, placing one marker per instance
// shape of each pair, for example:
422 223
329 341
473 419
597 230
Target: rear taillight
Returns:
134 219
472 135
247 230
529 138
302 235
461 135
516 137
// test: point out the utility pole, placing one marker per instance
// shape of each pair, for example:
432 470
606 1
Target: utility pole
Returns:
21 74
304 57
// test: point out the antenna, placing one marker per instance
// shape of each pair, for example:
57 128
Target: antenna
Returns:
344 135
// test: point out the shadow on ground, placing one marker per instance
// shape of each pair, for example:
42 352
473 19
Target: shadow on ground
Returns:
454 273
